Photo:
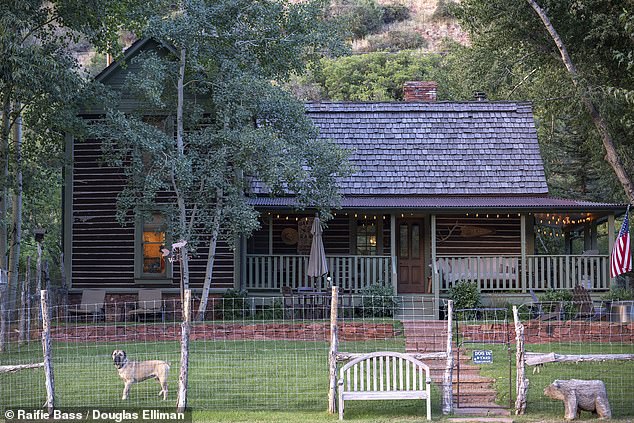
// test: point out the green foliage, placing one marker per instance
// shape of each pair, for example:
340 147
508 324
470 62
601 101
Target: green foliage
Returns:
395 13
618 293
234 305
275 311
373 76
553 297
465 295
362 17
378 301
395 41
512 56
444 10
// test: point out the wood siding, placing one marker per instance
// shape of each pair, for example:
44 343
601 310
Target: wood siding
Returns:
103 250
460 235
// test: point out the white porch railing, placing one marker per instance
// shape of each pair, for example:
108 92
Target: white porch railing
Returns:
493 273
351 273
564 272
508 273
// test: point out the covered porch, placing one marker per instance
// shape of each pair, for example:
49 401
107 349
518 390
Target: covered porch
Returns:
505 248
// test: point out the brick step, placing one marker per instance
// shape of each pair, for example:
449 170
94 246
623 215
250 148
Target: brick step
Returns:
474 397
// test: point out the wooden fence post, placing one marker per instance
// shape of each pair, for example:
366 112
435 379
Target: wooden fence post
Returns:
521 384
181 401
4 292
447 382
46 350
23 300
332 355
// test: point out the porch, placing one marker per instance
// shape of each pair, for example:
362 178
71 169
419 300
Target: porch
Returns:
502 274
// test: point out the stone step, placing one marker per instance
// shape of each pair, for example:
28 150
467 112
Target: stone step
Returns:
483 410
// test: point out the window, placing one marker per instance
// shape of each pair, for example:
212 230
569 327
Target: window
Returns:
367 235
151 238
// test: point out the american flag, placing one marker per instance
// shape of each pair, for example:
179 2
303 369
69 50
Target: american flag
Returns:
621 260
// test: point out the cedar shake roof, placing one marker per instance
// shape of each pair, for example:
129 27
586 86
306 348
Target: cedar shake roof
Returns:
435 148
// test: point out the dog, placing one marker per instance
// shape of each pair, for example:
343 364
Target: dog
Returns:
138 371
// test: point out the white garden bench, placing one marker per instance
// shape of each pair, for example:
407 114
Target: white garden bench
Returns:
384 375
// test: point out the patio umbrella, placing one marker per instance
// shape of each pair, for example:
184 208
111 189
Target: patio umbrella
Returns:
317 265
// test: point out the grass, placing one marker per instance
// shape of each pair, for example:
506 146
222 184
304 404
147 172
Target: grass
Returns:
617 375
282 381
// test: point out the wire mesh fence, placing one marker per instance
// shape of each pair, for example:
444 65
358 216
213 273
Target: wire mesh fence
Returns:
570 340
271 353
255 353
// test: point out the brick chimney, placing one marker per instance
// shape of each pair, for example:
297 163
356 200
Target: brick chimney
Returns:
420 90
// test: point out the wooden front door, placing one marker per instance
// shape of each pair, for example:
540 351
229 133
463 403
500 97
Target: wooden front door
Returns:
411 258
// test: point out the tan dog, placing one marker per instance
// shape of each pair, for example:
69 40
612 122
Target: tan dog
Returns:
138 371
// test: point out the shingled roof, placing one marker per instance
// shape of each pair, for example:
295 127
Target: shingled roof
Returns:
435 148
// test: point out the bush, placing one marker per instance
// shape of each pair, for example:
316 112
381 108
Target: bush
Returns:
273 312
444 10
552 297
465 295
395 41
378 301
233 305
618 293
395 13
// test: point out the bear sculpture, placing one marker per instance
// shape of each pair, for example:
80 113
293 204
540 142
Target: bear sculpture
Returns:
589 395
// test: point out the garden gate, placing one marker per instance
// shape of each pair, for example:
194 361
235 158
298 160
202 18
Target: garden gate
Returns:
483 346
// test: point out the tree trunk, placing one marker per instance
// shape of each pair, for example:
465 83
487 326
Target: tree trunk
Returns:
612 156
16 239
181 400
22 336
521 382
447 381
202 307
4 180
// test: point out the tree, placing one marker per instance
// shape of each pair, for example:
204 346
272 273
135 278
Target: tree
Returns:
371 77
513 56
233 124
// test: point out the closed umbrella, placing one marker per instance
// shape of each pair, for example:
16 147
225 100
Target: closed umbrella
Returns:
317 264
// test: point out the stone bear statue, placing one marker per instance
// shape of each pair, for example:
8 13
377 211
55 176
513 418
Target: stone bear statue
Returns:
589 395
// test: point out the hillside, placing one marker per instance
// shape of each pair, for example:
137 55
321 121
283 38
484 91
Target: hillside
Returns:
428 24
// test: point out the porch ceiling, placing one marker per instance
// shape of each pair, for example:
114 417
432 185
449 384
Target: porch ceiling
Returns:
532 204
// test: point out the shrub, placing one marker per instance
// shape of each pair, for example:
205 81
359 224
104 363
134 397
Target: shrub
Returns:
444 10
273 312
395 13
378 301
465 295
395 41
551 297
233 305
618 293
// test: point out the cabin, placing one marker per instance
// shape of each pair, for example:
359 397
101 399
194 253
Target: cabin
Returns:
442 192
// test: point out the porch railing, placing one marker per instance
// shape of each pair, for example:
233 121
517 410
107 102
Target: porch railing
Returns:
509 273
565 271
351 273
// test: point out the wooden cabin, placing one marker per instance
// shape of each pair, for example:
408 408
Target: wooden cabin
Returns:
442 192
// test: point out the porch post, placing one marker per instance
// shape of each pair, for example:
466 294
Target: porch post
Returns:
610 244
393 252
587 242
434 273
270 235
523 251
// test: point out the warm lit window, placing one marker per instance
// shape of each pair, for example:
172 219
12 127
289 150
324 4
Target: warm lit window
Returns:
366 237
151 237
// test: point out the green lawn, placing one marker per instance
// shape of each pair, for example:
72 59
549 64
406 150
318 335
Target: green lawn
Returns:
617 375
277 381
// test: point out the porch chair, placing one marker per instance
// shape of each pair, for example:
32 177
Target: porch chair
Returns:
288 302
92 305
585 307
555 311
150 304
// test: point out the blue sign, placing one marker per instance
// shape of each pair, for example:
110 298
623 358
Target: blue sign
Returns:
482 357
